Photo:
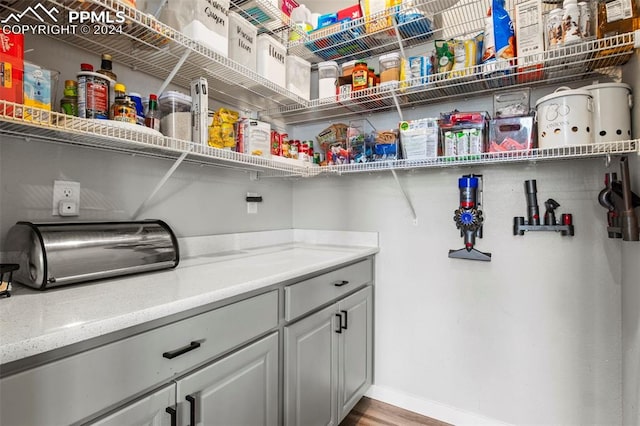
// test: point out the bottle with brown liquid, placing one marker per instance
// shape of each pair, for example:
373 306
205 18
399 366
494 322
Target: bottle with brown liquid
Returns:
123 108
106 67
152 117
617 17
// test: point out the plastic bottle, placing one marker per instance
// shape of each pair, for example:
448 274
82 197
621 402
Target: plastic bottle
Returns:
123 109
69 103
571 22
106 67
554 29
360 76
301 20
152 118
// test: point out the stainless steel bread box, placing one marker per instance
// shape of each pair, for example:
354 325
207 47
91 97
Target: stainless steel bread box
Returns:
57 254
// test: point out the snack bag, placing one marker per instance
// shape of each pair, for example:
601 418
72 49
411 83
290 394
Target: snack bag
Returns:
499 36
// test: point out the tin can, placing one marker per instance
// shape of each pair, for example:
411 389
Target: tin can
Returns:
94 96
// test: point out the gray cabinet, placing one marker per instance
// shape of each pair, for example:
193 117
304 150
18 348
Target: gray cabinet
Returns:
327 358
157 409
238 390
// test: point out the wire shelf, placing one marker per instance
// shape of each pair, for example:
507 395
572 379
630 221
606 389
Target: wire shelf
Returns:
143 43
111 136
539 154
567 64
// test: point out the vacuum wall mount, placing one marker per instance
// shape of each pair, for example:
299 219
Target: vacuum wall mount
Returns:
520 225
468 218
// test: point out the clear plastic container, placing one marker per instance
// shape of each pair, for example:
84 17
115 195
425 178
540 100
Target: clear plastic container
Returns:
571 22
302 20
299 76
390 68
347 68
175 113
327 79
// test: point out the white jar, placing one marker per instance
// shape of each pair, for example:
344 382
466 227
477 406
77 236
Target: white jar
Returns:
554 29
571 22
327 79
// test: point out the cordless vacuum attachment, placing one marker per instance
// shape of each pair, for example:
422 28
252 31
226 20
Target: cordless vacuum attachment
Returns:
468 219
620 203
520 225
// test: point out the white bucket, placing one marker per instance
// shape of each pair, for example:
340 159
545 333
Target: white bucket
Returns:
612 103
565 118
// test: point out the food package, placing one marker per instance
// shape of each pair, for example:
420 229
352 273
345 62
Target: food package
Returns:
444 55
254 138
499 48
377 16
464 57
222 129
419 138
386 145
11 69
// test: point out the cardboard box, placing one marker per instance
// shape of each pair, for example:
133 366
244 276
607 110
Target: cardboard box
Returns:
512 134
529 29
256 138
199 111
37 91
11 69
350 13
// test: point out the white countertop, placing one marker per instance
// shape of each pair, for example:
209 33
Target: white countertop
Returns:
34 321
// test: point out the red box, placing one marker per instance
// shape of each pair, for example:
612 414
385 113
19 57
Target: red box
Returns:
11 68
350 13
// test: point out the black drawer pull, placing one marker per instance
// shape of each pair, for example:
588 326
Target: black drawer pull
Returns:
341 283
346 319
172 413
181 351
339 330
192 409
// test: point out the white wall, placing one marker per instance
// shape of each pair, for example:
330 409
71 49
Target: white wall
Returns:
631 282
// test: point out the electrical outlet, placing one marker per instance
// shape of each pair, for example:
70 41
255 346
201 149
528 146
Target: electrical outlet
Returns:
66 192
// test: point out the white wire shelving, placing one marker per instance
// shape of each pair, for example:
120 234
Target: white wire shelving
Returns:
111 136
145 44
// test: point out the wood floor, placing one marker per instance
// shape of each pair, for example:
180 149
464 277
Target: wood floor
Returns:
370 412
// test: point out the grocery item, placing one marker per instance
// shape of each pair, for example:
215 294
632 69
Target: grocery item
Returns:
390 68
360 76
298 76
617 17
301 22
271 60
242 41
94 97
464 57
137 101
554 29
69 102
200 110
377 15
327 79
419 138
123 108
529 40
222 132
37 92
106 67
386 145
571 22
499 39
586 27
175 110
444 55
256 137
347 68
152 114
11 69
565 118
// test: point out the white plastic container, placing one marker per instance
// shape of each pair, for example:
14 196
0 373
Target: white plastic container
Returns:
299 76
205 21
571 22
271 60
243 43
612 103
565 118
175 110
390 68
327 79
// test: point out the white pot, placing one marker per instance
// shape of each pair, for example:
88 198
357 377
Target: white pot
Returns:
612 103
565 118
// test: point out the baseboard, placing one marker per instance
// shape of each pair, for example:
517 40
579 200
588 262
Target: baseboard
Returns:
433 409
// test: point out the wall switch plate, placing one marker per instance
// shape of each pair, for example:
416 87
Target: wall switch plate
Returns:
67 192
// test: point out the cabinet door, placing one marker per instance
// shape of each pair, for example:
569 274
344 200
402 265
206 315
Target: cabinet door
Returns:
355 349
310 359
157 409
238 390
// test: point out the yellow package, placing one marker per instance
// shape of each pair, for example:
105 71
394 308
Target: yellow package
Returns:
377 16
464 57
222 131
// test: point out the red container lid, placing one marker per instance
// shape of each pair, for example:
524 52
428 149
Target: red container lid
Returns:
86 67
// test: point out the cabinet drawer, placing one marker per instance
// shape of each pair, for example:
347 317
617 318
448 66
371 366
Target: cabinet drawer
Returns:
307 295
82 385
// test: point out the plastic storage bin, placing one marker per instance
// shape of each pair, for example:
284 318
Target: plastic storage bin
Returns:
390 68
271 60
463 134
206 21
512 134
327 79
175 112
299 76
243 43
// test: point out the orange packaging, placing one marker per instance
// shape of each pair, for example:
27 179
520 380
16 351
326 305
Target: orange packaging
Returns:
11 69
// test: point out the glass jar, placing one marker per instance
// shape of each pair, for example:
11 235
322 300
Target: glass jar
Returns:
360 76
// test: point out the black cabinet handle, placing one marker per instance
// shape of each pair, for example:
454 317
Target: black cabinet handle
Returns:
192 409
341 283
174 417
172 354
346 316
339 330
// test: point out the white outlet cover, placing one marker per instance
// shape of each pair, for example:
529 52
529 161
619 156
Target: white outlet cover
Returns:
64 190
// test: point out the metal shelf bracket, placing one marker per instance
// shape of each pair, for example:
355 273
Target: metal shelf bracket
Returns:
160 184
406 198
